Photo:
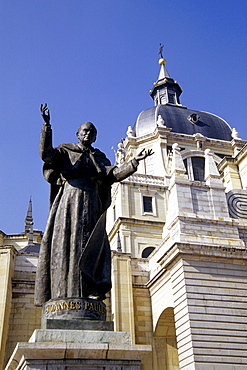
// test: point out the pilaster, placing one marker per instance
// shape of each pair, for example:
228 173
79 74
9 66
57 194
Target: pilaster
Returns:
122 294
7 263
231 177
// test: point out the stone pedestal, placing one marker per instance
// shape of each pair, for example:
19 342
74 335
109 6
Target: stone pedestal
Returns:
78 349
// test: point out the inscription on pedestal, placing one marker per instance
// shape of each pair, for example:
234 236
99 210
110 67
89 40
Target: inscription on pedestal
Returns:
74 308
70 305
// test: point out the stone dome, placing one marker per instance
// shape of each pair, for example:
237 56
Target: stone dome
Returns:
167 107
184 121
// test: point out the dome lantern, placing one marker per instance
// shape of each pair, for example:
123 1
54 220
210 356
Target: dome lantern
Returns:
165 90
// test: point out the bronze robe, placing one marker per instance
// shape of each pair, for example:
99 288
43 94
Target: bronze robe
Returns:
75 258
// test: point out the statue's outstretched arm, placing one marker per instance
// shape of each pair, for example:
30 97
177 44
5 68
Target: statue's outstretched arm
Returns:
47 152
122 172
144 154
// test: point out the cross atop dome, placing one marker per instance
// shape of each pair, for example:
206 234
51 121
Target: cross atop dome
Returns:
162 62
161 51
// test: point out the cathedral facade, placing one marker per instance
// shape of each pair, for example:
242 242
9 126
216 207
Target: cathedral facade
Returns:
178 232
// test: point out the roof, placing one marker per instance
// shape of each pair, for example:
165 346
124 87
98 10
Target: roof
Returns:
176 118
31 248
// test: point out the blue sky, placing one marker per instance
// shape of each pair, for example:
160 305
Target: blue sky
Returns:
96 61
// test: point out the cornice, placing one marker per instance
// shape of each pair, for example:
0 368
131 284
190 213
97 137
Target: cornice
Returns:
127 220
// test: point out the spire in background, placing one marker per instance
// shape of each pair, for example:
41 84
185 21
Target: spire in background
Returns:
29 217
29 223
31 247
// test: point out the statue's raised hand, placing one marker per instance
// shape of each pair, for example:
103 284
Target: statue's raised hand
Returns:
45 113
144 154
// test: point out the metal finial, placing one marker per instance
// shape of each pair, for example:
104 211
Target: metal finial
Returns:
161 50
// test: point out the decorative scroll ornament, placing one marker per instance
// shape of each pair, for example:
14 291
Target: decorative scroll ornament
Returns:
237 203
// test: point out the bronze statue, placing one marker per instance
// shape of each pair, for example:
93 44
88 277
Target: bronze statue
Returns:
75 258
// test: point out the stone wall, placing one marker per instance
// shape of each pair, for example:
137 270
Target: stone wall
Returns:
211 313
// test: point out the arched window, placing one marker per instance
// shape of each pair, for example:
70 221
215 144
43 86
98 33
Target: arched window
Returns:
194 161
147 251
195 168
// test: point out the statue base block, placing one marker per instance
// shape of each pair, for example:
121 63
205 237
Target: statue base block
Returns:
77 324
78 349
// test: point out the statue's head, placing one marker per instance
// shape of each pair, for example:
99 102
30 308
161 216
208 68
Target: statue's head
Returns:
87 133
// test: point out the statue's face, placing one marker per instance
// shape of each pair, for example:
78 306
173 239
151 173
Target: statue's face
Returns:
86 133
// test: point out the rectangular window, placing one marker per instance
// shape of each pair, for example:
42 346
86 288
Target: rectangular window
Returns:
114 213
147 204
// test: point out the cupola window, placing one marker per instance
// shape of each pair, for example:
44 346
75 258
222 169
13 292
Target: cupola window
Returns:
172 98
